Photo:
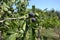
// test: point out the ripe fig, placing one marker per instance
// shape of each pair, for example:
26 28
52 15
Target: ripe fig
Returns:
31 14
33 19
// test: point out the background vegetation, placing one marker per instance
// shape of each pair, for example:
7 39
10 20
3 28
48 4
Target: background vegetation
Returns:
21 23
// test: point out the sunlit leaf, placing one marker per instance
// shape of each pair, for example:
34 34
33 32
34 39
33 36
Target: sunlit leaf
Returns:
12 37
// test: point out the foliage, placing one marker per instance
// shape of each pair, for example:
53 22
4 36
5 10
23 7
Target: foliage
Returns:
21 23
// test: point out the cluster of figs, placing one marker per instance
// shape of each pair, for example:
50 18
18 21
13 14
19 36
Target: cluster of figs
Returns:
32 16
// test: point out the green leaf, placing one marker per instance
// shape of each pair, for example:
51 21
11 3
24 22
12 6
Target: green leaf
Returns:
7 23
24 26
37 14
9 12
12 0
12 37
5 9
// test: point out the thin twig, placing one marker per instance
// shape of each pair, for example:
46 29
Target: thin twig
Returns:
12 19
1 35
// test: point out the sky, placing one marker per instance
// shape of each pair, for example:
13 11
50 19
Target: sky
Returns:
42 4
